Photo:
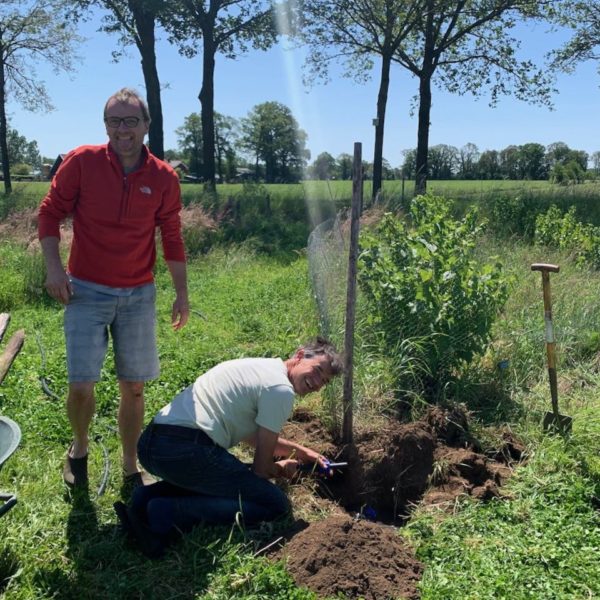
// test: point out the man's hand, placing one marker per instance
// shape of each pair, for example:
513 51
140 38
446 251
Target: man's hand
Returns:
287 468
306 455
180 312
58 284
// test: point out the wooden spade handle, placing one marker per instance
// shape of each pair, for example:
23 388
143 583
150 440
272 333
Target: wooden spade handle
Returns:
544 267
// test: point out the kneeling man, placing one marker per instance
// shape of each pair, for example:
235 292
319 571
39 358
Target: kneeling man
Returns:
187 442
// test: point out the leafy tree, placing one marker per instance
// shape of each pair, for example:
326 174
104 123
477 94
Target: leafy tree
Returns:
227 27
323 167
273 136
488 166
509 162
226 137
22 151
135 22
30 31
559 153
356 31
387 171
596 162
467 45
409 164
344 163
443 161
583 17
189 141
174 155
532 161
468 157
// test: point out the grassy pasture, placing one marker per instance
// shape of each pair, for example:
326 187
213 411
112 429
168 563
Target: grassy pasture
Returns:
29 194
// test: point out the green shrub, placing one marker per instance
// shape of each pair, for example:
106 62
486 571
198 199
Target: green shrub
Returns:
515 215
564 232
423 283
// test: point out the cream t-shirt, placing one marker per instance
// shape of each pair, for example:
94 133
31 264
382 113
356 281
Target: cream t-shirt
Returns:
230 401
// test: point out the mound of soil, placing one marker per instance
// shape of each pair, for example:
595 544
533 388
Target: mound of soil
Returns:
355 557
390 469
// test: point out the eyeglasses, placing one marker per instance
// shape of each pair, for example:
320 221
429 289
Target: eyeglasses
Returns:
115 122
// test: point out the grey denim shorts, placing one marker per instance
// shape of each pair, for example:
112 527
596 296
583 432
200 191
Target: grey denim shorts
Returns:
130 318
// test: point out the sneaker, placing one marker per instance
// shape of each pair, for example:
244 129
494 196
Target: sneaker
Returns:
75 470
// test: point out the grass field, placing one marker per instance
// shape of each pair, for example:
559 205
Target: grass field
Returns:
540 541
29 194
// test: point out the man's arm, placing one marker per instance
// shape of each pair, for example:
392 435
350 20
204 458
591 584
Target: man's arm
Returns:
268 444
181 306
302 453
57 281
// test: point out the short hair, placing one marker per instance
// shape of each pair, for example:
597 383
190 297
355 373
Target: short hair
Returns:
322 346
127 95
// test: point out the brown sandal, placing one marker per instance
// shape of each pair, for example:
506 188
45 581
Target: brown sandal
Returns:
75 471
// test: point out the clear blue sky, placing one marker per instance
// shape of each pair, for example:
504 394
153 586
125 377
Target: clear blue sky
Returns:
334 115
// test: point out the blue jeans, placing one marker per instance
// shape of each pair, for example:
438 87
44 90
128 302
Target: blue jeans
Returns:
202 482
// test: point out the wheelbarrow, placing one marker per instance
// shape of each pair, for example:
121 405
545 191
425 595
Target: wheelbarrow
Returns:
10 436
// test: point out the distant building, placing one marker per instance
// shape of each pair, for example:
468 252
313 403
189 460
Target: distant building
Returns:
179 166
55 165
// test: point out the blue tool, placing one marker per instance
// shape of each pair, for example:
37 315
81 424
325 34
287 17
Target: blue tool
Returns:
317 468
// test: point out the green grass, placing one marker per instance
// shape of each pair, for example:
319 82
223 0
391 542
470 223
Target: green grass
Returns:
243 305
541 541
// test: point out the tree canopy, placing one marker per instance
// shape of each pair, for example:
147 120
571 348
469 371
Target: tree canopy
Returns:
30 32
272 135
227 27
467 45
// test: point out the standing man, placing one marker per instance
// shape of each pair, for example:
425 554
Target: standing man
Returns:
117 194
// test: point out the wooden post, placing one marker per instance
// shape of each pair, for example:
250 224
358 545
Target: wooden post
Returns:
357 197
12 349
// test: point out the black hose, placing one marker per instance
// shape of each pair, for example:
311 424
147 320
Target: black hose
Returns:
42 378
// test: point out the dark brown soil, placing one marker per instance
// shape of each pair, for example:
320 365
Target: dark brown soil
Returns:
391 469
355 557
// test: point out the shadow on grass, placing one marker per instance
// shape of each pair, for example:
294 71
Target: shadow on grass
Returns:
104 564
9 567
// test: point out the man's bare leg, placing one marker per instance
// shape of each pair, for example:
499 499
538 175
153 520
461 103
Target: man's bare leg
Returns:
81 406
131 420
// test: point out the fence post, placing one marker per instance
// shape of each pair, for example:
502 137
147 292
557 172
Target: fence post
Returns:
357 197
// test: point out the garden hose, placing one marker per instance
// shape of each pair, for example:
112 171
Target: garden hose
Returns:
42 378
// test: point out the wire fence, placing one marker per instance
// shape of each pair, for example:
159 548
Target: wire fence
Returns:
412 347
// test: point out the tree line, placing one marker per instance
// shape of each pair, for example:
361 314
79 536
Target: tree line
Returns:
463 46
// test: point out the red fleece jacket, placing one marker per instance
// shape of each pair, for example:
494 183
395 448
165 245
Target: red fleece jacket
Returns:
114 215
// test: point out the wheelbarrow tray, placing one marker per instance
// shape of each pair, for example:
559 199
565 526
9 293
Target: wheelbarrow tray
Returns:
10 437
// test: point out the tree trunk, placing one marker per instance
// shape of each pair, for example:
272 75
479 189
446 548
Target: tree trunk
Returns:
207 100
423 134
144 22
4 131
382 97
